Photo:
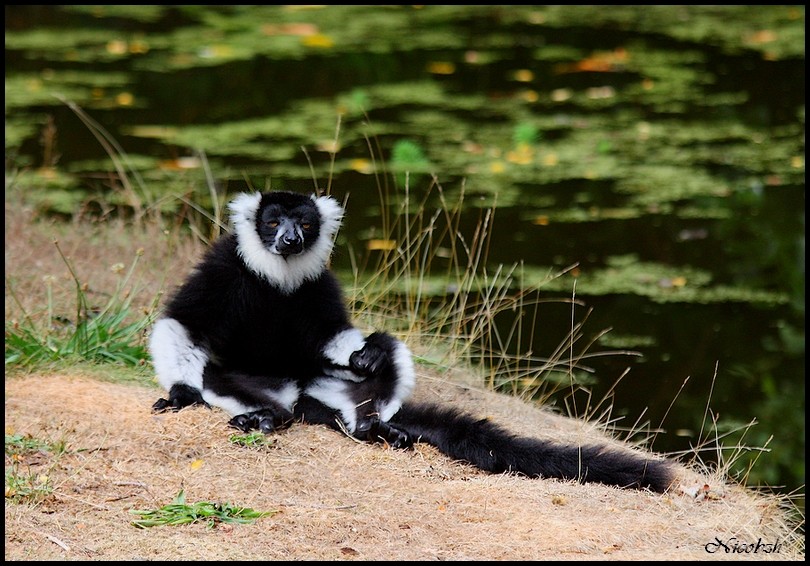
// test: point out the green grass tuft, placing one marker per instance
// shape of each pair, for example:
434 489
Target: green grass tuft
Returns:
110 334
26 485
256 439
178 512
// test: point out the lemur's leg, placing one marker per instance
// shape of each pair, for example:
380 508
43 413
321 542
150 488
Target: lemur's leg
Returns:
179 365
184 369
365 393
254 401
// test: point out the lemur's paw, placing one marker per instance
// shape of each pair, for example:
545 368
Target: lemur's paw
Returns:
180 396
374 430
162 405
264 420
397 438
374 358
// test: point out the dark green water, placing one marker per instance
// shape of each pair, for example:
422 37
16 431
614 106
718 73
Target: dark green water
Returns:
659 149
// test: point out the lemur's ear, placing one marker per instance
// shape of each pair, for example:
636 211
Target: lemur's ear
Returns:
244 207
331 214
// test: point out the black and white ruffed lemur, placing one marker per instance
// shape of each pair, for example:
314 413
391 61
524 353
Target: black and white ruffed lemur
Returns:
260 329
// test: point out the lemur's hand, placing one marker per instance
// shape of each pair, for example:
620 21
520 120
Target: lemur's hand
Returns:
373 359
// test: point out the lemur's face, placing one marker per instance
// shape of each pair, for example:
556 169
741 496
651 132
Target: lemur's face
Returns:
288 229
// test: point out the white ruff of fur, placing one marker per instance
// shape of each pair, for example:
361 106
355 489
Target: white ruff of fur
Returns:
284 274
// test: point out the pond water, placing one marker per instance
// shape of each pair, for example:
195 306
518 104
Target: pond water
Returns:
652 155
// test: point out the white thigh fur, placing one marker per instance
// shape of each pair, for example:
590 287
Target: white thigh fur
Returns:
334 393
285 396
176 358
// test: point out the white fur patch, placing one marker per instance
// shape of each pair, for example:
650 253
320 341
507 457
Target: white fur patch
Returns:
175 357
406 381
332 393
286 396
343 345
228 404
285 274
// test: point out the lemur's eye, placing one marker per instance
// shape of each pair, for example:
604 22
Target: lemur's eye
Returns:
306 225
272 223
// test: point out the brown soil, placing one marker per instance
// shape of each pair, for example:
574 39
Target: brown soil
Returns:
338 499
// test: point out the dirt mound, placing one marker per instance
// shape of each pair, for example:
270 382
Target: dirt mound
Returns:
338 499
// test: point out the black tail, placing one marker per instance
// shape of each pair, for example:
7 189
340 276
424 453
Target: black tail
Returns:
494 449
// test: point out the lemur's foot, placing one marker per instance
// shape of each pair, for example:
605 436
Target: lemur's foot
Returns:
265 420
374 358
180 396
374 430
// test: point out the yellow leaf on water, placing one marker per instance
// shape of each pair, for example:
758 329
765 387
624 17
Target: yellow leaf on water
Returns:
361 165
522 155
117 47
761 36
561 94
124 99
523 75
329 146
678 281
138 47
302 29
318 40
385 245
496 167
441 68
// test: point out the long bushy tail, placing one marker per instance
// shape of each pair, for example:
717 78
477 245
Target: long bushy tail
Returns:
494 449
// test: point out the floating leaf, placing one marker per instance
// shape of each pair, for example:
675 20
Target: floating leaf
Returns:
361 165
384 245
523 75
441 68
318 40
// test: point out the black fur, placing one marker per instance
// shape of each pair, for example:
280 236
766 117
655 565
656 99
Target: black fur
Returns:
494 449
253 327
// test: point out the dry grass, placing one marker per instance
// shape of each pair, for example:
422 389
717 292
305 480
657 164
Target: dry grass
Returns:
338 500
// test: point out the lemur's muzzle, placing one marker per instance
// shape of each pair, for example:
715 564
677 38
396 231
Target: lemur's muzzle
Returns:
289 239
290 245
